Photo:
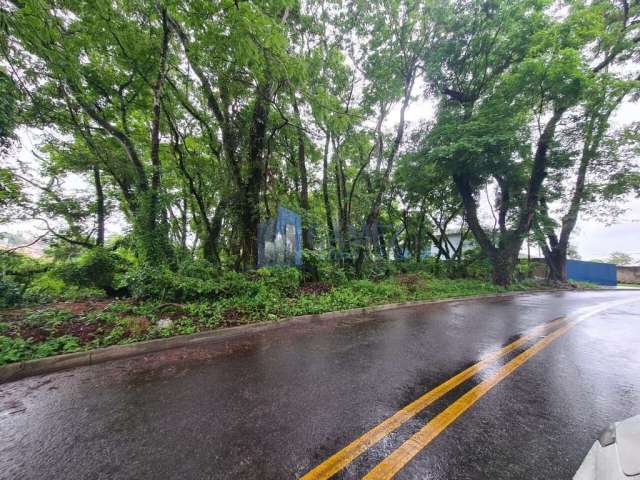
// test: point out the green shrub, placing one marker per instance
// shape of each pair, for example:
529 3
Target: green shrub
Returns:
209 314
20 267
95 268
14 349
524 270
11 292
479 267
284 280
45 288
197 268
16 273
48 287
98 266
327 270
18 349
185 326
147 281
381 269
231 284
52 346
49 318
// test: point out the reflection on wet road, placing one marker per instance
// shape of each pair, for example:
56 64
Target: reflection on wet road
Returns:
510 387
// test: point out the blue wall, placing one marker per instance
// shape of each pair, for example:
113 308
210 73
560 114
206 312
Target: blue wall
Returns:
594 272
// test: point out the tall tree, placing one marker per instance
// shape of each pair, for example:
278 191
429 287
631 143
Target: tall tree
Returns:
507 62
238 52
94 53
398 34
602 171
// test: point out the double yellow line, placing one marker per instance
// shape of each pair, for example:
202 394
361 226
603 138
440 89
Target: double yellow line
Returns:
410 448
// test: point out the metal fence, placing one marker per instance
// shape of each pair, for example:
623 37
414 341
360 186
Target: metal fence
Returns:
594 272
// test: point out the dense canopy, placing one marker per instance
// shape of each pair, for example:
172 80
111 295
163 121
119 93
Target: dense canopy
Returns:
385 124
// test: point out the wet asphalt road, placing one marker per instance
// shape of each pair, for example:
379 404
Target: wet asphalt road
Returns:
273 405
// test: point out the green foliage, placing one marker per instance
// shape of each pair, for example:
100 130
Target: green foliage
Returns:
325 267
8 122
145 281
197 268
11 193
18 349
11 292
284 280
14 350
267 294
96 268
620 258
473 265
193 178
198 280
91 274
16 273
48 287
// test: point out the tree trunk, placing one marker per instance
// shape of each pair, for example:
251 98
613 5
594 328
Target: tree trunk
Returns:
557 263
502 257
419 234
249 197
184 223
100 207
211 234
384 252
375 207
307 241
503 267
342 201
557 247
155 233
325 194
343 221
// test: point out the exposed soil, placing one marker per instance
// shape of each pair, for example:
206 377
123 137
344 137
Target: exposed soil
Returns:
86 332
76 308
80 308
409 280
315 288
36 334
232 317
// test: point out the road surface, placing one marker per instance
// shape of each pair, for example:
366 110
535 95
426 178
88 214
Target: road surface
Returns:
502 388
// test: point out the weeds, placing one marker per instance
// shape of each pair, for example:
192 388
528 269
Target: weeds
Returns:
264 295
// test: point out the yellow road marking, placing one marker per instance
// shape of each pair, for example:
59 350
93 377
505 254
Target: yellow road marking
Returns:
341 459
387 468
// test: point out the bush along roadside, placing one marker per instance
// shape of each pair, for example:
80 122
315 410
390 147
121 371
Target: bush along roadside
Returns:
35 332
102 298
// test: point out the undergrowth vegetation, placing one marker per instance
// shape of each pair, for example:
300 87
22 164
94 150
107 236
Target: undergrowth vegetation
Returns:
102 298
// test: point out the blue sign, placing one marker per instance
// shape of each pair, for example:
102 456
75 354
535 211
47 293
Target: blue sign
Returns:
280 240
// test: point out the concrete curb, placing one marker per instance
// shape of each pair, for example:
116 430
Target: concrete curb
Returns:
18 370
